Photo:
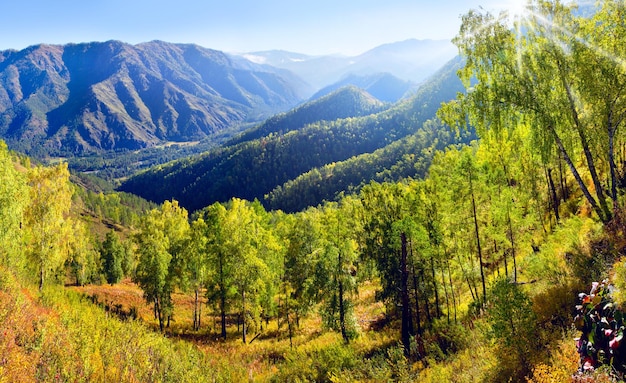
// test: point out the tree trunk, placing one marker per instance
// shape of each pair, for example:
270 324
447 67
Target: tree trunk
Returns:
159 310
342 306
605 215
511 238
578 178
613 168
479 249
342 314
289 326
451 289
435 288
243 316
562 180
222 299
429 318
445 290
553 195
407 324
41 277
416 295
195 310
506 263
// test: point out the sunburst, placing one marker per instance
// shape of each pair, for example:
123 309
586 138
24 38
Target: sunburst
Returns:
516 9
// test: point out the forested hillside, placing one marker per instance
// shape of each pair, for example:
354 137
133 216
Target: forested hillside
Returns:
349 101
504 263
251 169
93 97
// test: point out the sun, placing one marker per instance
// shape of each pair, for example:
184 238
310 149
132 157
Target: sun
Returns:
515 8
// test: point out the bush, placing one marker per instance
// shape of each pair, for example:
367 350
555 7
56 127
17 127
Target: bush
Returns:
602 327
318 364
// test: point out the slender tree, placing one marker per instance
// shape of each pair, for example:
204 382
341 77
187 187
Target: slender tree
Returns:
48 220
13 201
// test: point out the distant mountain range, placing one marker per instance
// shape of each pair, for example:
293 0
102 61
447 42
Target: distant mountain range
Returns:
384 86
411 60
81 98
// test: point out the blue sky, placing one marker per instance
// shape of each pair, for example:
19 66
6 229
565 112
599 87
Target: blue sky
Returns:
313 27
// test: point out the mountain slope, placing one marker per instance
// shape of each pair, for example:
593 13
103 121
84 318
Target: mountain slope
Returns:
87 97
409 156
346 102
254 168
384 86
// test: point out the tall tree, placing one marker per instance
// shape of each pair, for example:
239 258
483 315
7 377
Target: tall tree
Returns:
301 258
47 219
159 243
84 259
338 259
195 275
238 273
13 201
220 288
556 72
112 253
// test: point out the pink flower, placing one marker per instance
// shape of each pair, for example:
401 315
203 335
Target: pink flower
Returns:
588 364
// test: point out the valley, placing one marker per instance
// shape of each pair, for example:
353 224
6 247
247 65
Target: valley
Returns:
174 213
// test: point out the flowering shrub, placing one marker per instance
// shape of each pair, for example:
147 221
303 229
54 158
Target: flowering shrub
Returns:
601 324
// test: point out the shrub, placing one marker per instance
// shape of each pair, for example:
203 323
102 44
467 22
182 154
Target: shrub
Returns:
317 364
602 327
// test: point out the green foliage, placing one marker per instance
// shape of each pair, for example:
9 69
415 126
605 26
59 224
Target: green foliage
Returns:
115 207
559 76
13 202
112 254
84 260
407 157
513 325
46 216
317 364
159 242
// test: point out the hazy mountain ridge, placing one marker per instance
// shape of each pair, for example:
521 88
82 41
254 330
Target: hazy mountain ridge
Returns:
384 86
410 60
87 97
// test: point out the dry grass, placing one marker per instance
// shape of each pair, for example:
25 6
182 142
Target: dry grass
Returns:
261 357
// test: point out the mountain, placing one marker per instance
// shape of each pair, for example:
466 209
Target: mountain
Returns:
252 169
81 98
348 101
409 156
384 86
410 60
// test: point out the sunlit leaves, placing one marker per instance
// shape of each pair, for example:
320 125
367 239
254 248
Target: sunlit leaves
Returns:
13 199
50 229
160 240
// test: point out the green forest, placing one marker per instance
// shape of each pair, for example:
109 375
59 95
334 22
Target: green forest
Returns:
502 261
